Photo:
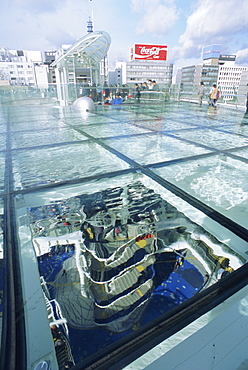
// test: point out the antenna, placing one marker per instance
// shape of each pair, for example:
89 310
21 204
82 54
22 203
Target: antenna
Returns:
92 22
89 26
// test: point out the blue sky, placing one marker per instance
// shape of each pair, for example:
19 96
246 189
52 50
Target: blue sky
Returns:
184 25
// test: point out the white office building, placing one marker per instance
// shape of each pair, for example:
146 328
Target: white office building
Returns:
216 68
229 78
23 67
229 73
16 68
146 62
138 71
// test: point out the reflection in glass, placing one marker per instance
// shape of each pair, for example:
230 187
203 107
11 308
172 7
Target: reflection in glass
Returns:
112 260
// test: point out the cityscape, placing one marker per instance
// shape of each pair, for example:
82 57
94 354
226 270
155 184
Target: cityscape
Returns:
39 69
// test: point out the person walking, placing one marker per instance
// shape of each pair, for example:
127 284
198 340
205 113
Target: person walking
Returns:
246 101
213 95
201 92
137 92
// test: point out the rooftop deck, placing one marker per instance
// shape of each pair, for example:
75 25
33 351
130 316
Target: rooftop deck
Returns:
194 157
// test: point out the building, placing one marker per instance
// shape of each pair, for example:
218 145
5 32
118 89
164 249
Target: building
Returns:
146 62
243 88
191 76
117 76
16 68
229 76
216 68
26 67
138 71
81 66
48 58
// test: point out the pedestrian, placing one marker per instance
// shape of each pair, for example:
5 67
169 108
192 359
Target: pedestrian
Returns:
145 86
137 90
213 95
201 92
246 101
118 99
155 86
150 85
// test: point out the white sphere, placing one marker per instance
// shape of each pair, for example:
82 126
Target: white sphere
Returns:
85 104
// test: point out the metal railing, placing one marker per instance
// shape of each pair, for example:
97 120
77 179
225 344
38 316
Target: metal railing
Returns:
67 94
233 100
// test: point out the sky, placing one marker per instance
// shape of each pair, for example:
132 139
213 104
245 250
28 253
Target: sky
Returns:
185 26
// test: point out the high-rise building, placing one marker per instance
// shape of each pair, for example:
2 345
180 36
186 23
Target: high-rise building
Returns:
191 76
216 68
16 68
146 62
229 76
26 67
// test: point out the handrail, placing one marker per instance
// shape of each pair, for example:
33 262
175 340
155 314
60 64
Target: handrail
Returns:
48 94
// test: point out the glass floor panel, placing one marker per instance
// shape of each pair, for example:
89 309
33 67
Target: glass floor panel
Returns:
2 128
219 181
161 123
117 218
238 128
25 139
62 163
38 118
222 140
86 118
154 148
113 129
241 153
3 141
112 223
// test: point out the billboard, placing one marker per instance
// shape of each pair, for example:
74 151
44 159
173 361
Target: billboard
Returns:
148 52
211 51
229 58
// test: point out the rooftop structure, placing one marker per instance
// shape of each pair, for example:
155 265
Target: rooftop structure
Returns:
80 63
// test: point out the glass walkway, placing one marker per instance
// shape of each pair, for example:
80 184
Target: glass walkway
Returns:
118 227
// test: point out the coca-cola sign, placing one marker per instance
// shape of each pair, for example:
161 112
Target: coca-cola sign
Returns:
148 52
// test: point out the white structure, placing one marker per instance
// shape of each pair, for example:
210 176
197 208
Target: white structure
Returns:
84 62
41 75
226 75
16 68
118 75
139 71
84 104
146 62
23 67
243 88
229 78
229 73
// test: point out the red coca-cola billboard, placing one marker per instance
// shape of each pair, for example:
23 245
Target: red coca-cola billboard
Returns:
148 52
